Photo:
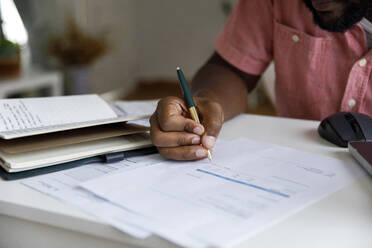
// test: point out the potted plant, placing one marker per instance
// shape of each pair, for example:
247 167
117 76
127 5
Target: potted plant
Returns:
10 62
77 50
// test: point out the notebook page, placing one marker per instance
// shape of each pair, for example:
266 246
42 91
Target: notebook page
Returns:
33 113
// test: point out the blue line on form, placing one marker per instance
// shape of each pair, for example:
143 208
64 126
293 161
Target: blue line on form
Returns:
244 183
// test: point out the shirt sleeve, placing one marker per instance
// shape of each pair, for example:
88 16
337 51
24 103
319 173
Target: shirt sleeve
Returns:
246 41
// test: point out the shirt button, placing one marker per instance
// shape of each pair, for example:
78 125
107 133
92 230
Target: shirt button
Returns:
351 103
362 62
295 38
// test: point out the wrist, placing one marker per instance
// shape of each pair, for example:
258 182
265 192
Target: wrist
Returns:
208 94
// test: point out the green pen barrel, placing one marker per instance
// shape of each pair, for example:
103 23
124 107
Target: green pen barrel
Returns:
185 88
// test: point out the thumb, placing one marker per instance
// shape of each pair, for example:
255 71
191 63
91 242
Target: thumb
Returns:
212 121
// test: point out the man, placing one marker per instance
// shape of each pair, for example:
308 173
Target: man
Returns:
320 50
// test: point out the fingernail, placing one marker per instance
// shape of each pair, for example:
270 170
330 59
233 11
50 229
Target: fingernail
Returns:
198 130
201 153
210 141
196 140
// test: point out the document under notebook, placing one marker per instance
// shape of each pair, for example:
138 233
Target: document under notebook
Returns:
40 132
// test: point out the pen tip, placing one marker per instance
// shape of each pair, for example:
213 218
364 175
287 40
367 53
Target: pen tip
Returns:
209 155
178 68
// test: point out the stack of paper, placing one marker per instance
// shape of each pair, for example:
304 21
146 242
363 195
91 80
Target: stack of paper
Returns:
247 186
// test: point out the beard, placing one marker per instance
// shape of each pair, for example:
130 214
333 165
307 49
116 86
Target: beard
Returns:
352 14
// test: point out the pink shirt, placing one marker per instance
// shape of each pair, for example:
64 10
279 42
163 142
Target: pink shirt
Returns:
318 73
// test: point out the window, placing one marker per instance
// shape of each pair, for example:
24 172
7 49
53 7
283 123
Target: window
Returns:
13 27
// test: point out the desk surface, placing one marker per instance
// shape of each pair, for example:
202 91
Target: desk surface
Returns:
343 219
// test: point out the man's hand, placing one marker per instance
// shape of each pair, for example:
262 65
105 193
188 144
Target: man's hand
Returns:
177 136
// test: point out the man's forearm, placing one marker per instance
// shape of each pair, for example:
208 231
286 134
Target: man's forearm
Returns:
224 84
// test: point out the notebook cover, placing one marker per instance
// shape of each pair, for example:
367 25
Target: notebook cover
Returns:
50 169
69 137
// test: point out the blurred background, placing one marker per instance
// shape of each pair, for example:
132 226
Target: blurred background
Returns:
121 49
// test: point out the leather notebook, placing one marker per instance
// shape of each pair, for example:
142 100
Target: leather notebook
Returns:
42 132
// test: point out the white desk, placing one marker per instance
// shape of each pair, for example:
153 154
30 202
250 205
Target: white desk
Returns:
31 219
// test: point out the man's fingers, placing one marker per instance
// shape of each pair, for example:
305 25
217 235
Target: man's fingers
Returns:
170 115
171 139
212 123
179 124
177 136
184 152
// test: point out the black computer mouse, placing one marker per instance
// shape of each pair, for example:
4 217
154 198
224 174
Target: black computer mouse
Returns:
343 127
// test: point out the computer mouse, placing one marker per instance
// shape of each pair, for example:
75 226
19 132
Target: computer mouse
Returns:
343 127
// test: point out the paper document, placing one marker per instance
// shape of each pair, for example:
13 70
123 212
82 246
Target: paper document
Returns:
63 186
247 186
30 113
136 108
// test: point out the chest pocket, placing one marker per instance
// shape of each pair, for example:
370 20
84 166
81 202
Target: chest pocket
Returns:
301 71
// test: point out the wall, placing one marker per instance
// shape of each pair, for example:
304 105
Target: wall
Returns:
175 33
150 38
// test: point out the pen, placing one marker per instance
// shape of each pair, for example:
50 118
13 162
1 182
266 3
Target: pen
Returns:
189 101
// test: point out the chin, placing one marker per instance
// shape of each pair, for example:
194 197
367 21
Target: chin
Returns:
327 19
339 16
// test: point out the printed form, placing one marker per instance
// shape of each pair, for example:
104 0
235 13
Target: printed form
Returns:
136 108
63 186
247 187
